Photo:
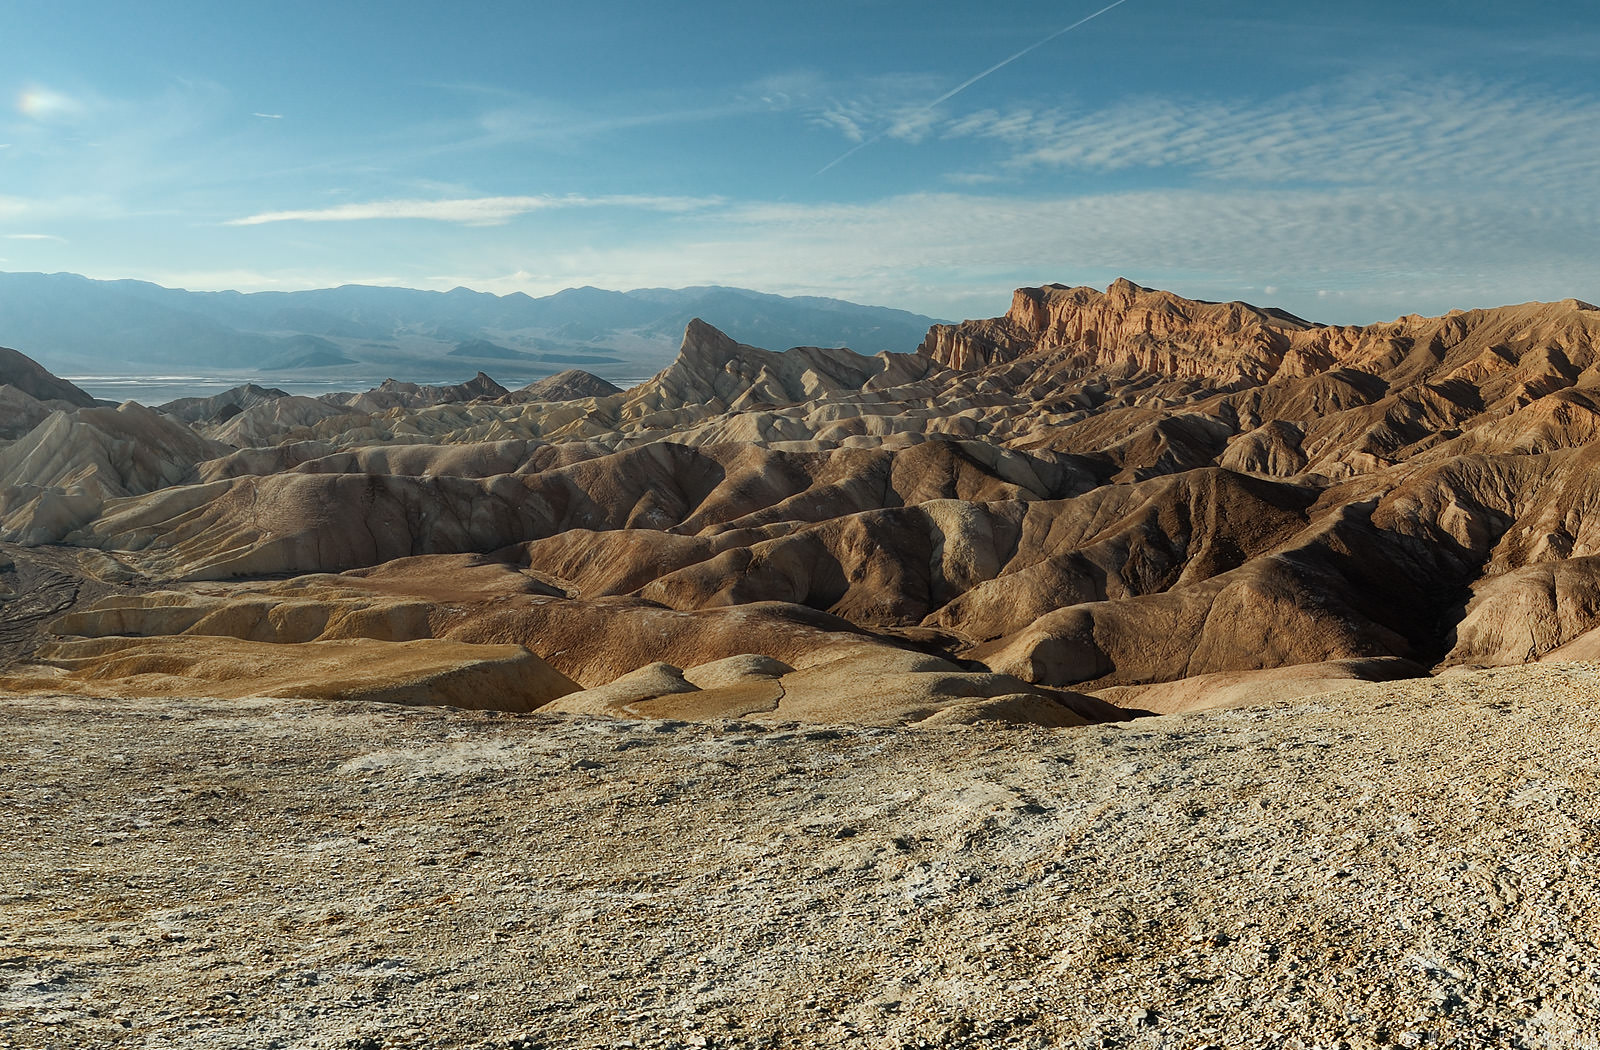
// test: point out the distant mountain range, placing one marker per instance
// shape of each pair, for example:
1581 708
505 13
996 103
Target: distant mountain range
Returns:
74 324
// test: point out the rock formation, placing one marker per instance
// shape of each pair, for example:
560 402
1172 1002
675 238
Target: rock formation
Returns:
25 374
59 475
1120 496
571 385
219 408
395 394
29 394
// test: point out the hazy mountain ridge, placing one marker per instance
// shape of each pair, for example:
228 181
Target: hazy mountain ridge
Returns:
69 323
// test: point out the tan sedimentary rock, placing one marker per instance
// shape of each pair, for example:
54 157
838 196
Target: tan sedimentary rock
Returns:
1126 327
267 423
393 393
866 685
219 408
26 375
1115 492
498 677
570 385
60 474
20 411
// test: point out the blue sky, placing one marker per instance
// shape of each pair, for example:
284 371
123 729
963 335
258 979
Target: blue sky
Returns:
1348 161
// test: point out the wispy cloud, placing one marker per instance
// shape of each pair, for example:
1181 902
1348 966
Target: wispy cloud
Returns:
888 105
909 125
123 157
838 116
972 178
1373 254
518 119
35 237
472 211
45 104
268 116
899 121
1452 133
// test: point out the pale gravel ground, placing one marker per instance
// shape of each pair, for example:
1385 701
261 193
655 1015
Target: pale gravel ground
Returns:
1410 864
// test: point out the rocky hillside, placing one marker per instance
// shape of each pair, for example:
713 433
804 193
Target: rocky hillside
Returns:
28 394
1120 497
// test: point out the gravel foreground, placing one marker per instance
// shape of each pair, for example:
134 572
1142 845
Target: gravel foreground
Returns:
1406 864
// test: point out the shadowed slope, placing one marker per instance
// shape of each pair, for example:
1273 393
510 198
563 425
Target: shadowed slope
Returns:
1103 490
27 375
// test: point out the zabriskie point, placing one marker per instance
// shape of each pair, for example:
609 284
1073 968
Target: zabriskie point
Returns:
506 542
1189 671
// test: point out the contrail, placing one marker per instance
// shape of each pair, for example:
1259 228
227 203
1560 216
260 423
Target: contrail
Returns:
959 88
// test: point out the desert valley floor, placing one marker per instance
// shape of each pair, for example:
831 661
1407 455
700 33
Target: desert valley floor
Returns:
1123 671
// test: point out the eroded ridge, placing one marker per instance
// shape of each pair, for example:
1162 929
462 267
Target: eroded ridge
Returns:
1117 497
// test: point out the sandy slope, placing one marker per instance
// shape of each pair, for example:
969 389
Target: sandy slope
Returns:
1406 864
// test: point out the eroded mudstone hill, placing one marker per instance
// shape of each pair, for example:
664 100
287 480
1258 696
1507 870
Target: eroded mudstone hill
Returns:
1119 496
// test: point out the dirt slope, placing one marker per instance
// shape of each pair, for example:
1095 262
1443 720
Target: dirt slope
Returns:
1405 864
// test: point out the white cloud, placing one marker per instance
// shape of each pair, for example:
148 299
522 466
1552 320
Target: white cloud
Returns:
905 122
972 178
471 211
500 284
1394 133
526 119
1329 254
839 117
268 116
34 237
1378 254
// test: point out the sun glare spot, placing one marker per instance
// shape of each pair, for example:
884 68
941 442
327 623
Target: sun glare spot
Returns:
44 104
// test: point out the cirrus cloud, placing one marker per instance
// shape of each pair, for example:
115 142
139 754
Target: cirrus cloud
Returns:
1459 133
472 211
1330 254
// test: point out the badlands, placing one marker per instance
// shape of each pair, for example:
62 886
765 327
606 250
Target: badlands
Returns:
1123 671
